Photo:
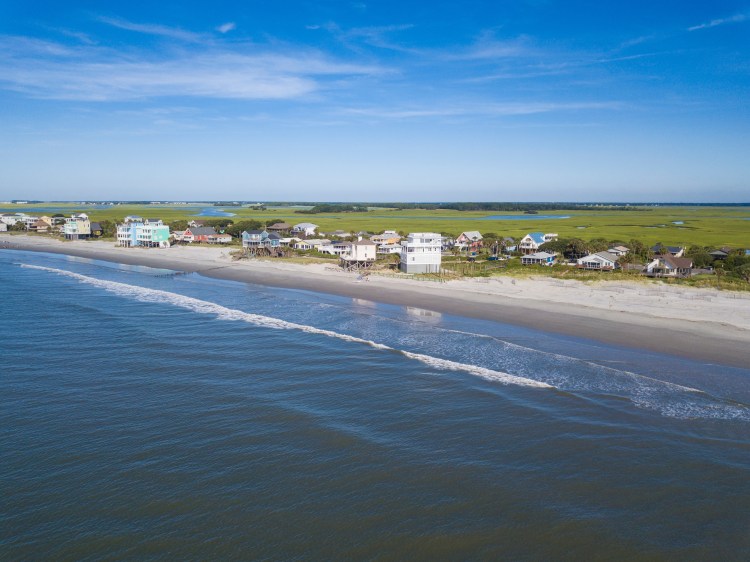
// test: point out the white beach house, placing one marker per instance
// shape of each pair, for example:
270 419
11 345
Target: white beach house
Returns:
360 254
599 261
421 252
305 229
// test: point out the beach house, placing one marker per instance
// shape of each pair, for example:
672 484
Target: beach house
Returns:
9 219
387 237
28 221
669 266
674 251
219 238
421 252
336 248
360 254
253 238
531 242
312 244
96 229
387 249
77 227
147 233
273 240
280 227
619 250
538 258
600 261
471 240
41 225
197 234
304 229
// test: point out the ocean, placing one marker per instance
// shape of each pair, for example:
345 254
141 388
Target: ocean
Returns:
150 414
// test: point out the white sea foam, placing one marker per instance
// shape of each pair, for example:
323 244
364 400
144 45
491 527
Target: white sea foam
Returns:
668 398
144 294
644 391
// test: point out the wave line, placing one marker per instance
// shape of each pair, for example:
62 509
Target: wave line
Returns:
144 294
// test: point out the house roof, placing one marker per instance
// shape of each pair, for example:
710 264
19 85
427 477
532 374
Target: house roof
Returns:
202 230
683 263
719 253
472 234
678 263
253 232
539 256
364 243
537 237
96 226
274 236
621 248
606 256
305 225
280 226
670 249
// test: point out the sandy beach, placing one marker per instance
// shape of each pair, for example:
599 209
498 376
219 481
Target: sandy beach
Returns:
708 325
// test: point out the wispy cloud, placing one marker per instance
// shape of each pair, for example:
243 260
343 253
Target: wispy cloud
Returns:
82 37
635 41
487 47
476 110
46 70
632 57
152 29
737 18
226 27
374 36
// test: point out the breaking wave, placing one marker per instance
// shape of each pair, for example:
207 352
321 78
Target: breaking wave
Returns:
557 371
144 294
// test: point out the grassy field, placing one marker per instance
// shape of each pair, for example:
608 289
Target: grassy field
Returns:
702 226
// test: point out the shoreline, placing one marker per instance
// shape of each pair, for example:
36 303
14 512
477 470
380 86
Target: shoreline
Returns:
702 325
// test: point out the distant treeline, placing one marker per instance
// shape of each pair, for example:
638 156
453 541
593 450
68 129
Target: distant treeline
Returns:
333 208
503 207
526 207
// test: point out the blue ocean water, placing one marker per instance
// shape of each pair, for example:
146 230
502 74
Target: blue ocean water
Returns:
146 414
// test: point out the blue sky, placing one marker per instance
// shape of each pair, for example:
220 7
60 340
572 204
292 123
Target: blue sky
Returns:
377 101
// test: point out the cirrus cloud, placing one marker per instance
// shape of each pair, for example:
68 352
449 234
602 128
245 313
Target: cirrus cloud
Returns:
43 69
